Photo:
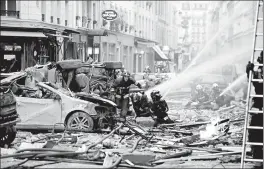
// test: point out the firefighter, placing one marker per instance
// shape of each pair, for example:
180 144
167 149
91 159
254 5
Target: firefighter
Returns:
159 108
257 119
141 104
121 88
215 92
200 95
200 98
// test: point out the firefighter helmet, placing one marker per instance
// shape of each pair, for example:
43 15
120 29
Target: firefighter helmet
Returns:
137 97
155 95
215 85
199 87
126 73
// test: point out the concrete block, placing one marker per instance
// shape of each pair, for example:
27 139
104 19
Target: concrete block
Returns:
138 158
145 121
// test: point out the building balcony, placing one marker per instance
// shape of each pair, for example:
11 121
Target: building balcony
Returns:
8 13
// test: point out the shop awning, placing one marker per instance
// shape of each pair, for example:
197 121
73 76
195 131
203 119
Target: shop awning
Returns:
55 35
160 53
93 32
22 34
97 32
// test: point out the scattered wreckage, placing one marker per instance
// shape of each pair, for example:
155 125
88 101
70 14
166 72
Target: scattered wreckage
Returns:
134 145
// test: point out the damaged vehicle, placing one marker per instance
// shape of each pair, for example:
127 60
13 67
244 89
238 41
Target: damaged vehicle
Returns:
8 113
45 105
101 75
50 105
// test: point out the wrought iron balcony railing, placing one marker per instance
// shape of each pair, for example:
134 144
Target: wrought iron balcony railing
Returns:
9 13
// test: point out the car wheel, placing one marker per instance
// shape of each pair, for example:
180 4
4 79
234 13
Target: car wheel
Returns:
80 121
7 135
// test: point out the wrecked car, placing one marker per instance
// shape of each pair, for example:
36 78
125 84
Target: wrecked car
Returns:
101 75
8 113
51 105
45 105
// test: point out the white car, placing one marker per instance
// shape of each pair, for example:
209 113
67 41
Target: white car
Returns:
50 106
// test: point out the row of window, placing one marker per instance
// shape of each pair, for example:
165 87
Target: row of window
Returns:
187 6
198 21
56 16
198 30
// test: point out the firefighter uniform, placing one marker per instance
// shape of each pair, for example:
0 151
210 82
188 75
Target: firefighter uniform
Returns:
121 87
141 105
159 108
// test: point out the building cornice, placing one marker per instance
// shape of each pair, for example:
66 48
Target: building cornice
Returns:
34 24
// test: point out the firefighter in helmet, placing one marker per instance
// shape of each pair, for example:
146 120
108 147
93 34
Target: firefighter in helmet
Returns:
121 88
141 104
200 95
159 108
215 92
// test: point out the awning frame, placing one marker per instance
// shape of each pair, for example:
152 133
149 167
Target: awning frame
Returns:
160 53
22 34
55 35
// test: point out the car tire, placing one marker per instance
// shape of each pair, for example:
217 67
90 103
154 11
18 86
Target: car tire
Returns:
80 121
7 135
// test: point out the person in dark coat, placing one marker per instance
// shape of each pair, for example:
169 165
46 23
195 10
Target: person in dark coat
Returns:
257 119
141 104
159 108
121 88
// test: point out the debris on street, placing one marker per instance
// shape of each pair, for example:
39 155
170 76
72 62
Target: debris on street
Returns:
136 145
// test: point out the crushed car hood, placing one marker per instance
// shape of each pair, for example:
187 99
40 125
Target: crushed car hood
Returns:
93 97
7 78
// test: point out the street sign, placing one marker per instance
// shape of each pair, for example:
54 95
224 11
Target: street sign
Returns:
109 15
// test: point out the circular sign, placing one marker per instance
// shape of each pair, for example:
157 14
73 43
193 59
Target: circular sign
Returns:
109 15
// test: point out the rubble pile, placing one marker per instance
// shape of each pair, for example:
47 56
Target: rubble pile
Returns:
195 139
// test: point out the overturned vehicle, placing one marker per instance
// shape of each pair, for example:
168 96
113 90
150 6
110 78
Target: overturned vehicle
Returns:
101 75
8 113
45 105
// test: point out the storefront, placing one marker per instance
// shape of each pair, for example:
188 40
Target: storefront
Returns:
88 44
32 42
118 47
161 60
144 55
22 49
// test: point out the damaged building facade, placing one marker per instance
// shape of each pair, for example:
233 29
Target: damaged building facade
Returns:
35 32
236 22
142 35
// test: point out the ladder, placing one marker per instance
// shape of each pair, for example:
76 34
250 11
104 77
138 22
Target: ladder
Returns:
247 127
